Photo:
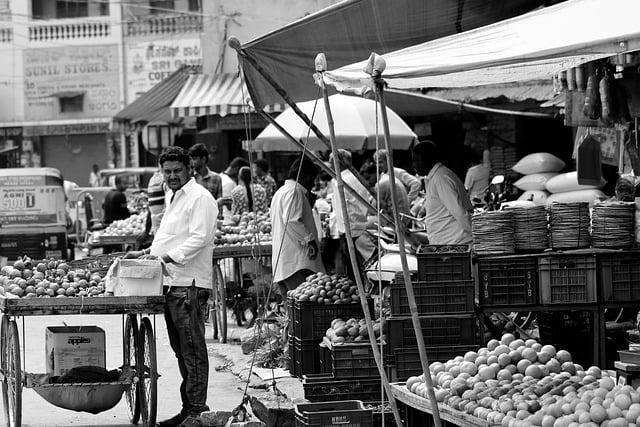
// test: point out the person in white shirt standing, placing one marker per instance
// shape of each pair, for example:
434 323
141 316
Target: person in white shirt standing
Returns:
448 206
295 247
410 182
184 242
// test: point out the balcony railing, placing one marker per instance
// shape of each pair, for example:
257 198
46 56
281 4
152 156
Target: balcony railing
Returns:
6 35
174 24
82 30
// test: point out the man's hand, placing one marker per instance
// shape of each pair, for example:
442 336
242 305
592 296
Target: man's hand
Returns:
133 254
312 249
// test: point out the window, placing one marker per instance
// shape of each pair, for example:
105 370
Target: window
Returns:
60 9
194 6
71 9
71 104
159 7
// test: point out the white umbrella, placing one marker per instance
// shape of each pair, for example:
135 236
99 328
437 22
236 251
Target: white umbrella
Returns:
355 126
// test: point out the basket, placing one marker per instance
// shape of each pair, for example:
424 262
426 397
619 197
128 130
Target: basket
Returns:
307 357
83 397
326 388
620 276
96 264
346 413
452 296
444 262
311 320
567 279
508 280
436 331
351 360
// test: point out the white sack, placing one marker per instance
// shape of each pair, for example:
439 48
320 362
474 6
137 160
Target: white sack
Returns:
538 197
535 181
589 196
566 182
538 163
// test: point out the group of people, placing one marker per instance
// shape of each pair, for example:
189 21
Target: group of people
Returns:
190 197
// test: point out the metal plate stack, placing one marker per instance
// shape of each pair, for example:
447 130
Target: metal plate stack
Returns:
612 225
569 225
493 233
531 228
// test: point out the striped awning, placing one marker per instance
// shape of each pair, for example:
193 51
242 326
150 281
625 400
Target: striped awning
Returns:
219 94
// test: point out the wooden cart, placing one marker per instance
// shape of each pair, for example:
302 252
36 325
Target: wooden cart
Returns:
220 254
139 349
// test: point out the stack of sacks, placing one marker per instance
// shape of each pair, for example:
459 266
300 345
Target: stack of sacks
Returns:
565 189
537 169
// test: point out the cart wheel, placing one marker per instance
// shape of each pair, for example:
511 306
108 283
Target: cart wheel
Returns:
4 326
129 358
220 290
148 370
12 384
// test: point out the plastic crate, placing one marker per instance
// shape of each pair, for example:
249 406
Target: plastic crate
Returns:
567 279
311 320
306 357
434 297
461 329
438 263
346 413
326 388
620 276
508 280
407 359
353 361
569 330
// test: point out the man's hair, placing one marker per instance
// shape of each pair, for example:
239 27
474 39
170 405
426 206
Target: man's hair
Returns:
427 150
262 164
344 158
239 162
120 180
380 154
306 169
175 154
199 150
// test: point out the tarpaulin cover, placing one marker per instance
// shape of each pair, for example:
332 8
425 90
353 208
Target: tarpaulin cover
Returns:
536 45
352 29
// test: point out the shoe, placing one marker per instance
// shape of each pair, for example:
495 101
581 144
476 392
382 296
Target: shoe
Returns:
191 421
174 421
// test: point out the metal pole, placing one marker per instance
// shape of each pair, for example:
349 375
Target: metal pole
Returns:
352 248
424 361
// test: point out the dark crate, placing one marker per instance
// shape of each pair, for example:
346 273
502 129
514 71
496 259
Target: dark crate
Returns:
347 413
620 276
326 388
438 263
434 297
508 280
407 359
306 357
292 354
458 329
353 361
567 279
569 330
311 320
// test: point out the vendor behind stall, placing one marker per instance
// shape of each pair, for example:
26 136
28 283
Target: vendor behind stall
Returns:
115 202
448 208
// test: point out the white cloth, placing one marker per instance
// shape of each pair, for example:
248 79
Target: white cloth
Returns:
293 228
228 184
410 182
356 210
186 234
94 180
448 208
477 180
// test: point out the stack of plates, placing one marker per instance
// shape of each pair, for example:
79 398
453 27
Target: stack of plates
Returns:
569 225
612 225
493 233
531 228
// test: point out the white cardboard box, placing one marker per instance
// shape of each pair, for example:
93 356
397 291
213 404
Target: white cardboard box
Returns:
141 277
68 347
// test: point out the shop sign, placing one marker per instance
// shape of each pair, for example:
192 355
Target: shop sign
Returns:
151 62
235 122
91 71
71 129
29 204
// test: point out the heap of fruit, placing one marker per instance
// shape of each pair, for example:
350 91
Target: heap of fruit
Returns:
325 289
48 279
138 201
351 330
132 226
518 383
244 229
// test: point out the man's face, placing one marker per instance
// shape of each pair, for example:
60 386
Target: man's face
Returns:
381 161
176 174
257 171
198 162
419 164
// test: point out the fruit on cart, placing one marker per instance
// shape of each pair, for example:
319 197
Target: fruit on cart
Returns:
325 289
244 229
351 330
51 279
132 226
555 393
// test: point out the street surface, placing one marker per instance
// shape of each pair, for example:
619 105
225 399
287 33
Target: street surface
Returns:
223 386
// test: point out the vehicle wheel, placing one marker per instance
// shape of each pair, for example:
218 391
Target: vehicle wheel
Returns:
4 326
129 358
148 373
220 290
12 385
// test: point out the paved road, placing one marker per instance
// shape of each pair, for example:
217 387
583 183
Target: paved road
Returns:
223 386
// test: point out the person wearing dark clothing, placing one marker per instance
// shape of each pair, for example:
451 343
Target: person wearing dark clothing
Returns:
115 203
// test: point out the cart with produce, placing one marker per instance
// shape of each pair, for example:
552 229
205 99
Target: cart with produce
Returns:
57 288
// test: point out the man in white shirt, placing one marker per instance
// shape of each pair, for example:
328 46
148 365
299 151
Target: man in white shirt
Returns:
477 179
295 247
448 206
94 179
184 241
410 182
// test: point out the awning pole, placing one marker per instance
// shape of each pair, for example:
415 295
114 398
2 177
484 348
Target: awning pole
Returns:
315 159
376 74
320 68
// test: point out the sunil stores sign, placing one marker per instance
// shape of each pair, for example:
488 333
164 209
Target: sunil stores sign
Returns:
89 72
150 62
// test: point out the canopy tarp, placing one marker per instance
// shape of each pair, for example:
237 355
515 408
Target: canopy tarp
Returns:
536 45
352 29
